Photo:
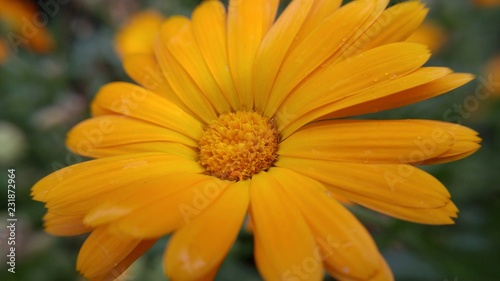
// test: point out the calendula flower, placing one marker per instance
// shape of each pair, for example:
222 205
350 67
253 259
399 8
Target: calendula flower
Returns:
429 34
240 113
20 20
137 36
492 73
3 51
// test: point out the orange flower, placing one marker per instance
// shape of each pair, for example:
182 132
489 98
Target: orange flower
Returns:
3 51
138 35
429 34
239 113
492 72
19 17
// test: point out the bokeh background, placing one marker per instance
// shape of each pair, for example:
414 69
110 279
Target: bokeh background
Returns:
48 79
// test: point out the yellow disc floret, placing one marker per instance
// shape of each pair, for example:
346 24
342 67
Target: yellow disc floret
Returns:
239 145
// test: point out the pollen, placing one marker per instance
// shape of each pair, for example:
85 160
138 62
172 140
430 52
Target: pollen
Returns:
238 145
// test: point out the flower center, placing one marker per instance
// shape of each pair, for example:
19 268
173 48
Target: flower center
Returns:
239 145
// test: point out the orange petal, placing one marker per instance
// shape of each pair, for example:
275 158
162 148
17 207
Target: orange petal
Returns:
401 185
402 191
383 273
124 202
145 70
247 24
345 246
394 96
314 49
350 47
393 25
320 10
182 196
134 148
62 225
349 77
448 157
417 78
131 100
76 189
465 140
178 77
274 47
102 250
119 268
439 215
198 249
177 37
111 135
214 46
373 141
111 130
283 240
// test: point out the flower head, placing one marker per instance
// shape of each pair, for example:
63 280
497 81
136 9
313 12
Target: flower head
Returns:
19 18
429 34
492 72
239 113
137 36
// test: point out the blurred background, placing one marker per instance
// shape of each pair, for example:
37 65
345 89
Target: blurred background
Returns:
54 56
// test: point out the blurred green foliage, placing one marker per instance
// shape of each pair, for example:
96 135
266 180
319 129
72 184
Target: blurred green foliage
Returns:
43 96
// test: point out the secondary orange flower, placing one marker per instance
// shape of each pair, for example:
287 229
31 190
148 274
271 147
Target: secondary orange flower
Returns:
492 72
429 34
239 113
19 19
3 51
138 34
